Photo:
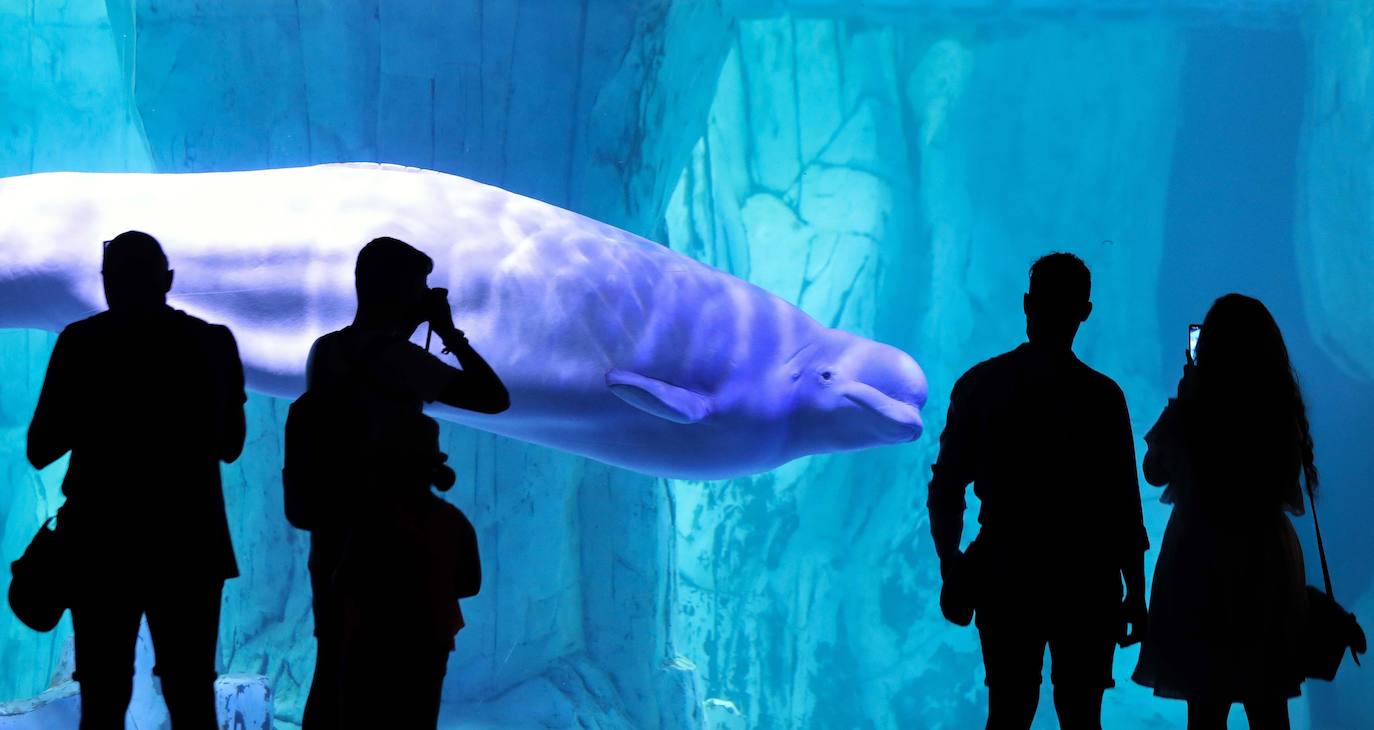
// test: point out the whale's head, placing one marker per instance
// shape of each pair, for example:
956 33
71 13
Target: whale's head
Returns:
849 392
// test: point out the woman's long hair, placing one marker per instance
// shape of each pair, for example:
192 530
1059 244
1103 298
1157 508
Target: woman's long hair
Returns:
1250 397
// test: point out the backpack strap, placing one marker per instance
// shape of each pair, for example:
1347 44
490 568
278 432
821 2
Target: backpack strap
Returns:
353 369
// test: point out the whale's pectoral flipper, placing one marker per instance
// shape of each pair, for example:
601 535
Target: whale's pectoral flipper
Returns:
655 397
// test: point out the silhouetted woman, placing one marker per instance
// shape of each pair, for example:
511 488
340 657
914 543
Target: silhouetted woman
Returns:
1228 602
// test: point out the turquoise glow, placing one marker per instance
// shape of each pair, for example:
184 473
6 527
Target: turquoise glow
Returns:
891 168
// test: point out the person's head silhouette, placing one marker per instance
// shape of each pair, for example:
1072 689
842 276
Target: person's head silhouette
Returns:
1241 343
135 272
1058 300
1243 363
390 278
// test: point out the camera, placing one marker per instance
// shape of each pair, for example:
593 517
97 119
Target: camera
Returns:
443 477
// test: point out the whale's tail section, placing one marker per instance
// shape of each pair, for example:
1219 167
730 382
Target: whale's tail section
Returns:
49 264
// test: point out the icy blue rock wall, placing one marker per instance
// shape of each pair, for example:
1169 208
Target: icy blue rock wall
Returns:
27 659
1334 244
897 180
1336 186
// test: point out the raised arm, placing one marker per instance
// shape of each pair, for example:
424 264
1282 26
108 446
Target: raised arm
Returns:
1161 440
1166 436
476 387
1155 473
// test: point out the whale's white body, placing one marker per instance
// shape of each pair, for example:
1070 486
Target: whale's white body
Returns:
584 322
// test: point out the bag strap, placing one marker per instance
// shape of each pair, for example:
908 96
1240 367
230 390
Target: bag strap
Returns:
1321 548
1321 552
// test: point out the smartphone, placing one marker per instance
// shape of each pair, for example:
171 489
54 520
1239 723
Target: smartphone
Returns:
1194 331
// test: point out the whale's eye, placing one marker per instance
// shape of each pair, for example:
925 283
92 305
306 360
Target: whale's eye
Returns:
825 375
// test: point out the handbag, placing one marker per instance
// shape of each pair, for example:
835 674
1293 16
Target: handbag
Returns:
38 586
1331 629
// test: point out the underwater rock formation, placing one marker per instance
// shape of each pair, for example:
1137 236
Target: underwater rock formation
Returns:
897 180
1335 222
589 106
890 167
242 702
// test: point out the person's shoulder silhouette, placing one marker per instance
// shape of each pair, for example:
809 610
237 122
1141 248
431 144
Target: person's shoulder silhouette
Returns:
148 379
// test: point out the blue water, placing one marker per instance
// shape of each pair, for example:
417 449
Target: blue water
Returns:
892 171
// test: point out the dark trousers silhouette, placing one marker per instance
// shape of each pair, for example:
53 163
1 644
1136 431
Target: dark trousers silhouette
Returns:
370 670
322 704
184 623
1014 698
409 674
1023 613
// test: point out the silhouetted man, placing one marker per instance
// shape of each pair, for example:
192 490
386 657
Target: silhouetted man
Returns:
148 400
1046 442
373 365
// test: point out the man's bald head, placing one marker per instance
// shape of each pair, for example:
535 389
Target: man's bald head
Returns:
135 271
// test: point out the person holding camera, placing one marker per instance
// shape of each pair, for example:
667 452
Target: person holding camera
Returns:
372 383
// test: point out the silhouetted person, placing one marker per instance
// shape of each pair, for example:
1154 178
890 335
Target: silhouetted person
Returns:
373 365
1046 442
1228 606
148 400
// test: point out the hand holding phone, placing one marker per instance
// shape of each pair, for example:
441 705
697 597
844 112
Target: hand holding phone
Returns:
1187 385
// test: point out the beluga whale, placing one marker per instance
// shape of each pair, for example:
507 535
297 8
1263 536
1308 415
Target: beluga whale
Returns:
612 346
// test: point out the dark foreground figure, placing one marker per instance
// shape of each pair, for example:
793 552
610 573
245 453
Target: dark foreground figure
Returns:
386 561
148 400
1046 442
398 585
1228 610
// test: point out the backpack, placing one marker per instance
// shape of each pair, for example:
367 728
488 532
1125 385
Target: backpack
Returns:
327 434
324 432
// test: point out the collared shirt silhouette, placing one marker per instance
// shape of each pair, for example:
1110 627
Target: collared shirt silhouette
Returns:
386 644
1046 442
148 400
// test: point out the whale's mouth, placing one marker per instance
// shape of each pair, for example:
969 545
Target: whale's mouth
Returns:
894 421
